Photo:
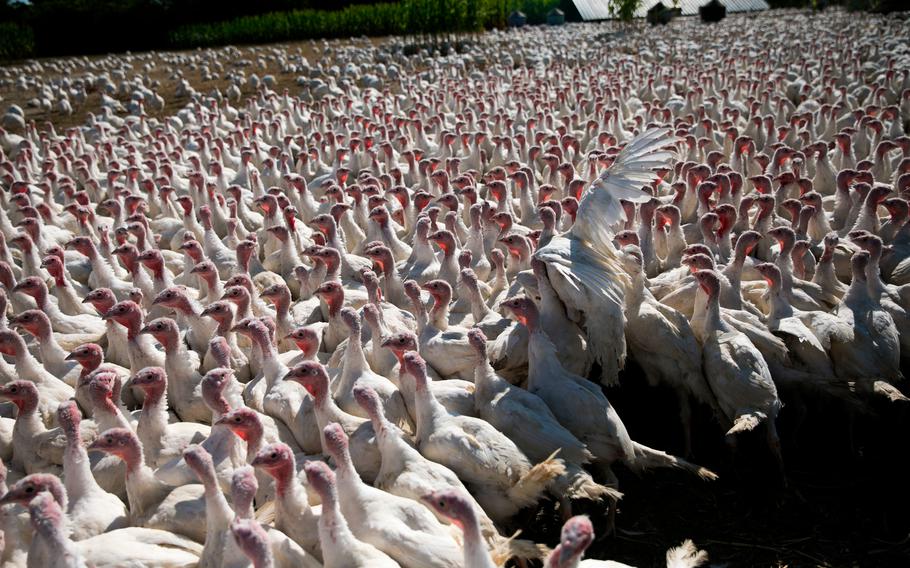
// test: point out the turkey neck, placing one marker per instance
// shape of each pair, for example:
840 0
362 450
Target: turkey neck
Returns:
289 255
422 251
439 315
272 368
161 276
542 360
676 244
479 310
355 362
218 514
486 383
242 499
785 263
27 366
133 325
392 447
635 295
333 528
51 353
152 425
780 305
857 297
733 272
332 238
873 276
176 361
253 441
27 427
282 306
107 415
420 314
475 550
51 534
448 266
824 272
41 299
78 478
713 321
143 491
291 503
429 410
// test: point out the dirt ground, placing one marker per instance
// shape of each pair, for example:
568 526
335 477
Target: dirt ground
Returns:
167 89
846 504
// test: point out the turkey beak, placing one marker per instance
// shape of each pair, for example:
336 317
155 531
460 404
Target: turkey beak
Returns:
70 356
145 329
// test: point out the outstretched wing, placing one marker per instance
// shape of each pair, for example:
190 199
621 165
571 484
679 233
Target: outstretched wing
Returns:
582 265
633 169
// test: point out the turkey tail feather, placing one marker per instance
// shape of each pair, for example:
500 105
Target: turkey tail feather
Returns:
746 422
504 549
889 391
646 458
686 555
529 488
578 484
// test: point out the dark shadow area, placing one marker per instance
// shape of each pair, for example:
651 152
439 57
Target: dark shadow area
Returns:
843 507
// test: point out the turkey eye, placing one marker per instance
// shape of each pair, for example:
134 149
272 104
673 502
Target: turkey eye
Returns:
29 489
442 504
274 455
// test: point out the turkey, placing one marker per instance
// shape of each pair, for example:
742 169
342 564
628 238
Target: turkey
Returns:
501 476
122 547
598 425
404 530
582 265
152 504
578 534
737 372
331 301
342 549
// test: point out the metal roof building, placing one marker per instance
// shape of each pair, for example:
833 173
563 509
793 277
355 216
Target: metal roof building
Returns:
600 9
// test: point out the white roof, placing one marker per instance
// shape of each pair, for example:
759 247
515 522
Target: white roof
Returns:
600 9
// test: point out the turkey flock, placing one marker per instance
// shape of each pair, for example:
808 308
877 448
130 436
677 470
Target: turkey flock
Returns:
367 320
